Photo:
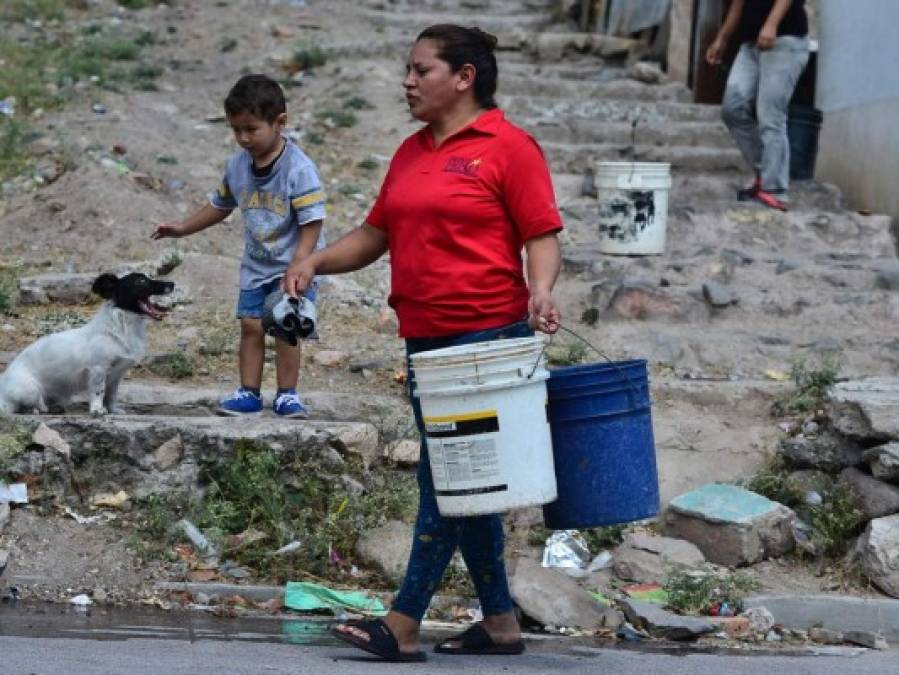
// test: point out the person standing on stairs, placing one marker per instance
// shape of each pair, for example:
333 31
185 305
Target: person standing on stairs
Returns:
462 197
774 51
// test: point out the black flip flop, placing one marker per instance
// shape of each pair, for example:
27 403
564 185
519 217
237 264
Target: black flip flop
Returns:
382 641
476 640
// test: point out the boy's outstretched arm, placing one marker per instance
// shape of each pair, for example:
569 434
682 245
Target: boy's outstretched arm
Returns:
352 251
207 216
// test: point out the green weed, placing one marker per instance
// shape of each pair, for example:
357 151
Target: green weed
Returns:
836 520
315 139
339 118
33 10
56 321
590 316
597 538
307 56
357 103
692 591
368 164
772 480
812 381
8 289
134 4
14 440
175 366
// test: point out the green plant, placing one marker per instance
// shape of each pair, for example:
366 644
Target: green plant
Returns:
590 316
7 291
812 380
134 4
601 538
314 138
14 440
33 10
772 480
55 321
307 56
836 520
566 353
338 118
176 366
693 591
368 164
357 103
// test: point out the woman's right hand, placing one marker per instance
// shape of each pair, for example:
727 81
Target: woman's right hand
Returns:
714 55
168 229
298 277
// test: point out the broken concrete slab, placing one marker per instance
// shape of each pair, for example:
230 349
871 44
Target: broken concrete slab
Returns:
730 525
832 612
552 598
866 409
644 559
884 462
387 547
875 498
663 624
866 638
878 549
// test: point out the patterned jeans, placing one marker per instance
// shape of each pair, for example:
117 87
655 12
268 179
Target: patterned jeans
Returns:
755 106
435 538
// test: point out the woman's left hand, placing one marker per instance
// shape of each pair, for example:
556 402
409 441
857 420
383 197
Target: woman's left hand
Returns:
543 315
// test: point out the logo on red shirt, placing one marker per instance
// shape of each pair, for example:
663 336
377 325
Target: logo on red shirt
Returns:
467 167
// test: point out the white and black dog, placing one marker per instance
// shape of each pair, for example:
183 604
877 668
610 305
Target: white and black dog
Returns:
90 359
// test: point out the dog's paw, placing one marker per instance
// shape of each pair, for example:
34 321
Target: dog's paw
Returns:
98 412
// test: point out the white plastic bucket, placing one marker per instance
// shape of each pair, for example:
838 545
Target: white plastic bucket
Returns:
484 409
633 207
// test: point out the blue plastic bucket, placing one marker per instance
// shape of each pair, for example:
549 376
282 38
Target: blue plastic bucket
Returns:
603 448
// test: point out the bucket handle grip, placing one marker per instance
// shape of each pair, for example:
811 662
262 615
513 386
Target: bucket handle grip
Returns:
594 348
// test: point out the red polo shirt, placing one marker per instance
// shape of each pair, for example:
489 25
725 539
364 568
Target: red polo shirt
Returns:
456 218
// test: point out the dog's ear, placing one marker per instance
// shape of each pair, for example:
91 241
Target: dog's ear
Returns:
105 285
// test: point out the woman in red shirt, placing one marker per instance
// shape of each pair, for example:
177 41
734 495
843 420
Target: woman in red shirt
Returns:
462 197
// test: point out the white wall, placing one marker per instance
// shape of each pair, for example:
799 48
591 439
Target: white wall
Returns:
858 91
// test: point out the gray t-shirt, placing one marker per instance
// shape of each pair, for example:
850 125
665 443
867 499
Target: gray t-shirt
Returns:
274 208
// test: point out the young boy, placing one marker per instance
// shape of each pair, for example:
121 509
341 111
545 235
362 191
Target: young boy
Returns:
277 188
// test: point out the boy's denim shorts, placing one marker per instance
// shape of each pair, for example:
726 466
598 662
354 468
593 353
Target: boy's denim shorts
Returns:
251 302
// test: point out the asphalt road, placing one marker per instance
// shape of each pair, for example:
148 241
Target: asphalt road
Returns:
82 656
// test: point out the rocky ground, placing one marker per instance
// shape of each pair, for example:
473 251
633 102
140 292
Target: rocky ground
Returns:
739 296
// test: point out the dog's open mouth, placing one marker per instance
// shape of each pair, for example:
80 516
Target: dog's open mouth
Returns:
154 311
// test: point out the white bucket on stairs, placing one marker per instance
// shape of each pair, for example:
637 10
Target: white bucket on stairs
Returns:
633 207
488 437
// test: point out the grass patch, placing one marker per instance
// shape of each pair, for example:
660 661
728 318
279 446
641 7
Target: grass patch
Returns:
33 10
306 57
566 353
773 481
812 380
174 366
694 591
342 119
56 321
835 521
14 440
8 290
358 103
598 538
315 139
368 164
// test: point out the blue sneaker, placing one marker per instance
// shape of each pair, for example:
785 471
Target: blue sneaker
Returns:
287 404
241 402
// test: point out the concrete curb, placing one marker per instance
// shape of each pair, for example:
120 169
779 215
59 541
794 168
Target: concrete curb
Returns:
837 613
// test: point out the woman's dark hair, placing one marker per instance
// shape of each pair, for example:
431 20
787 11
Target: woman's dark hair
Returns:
258 95
457 46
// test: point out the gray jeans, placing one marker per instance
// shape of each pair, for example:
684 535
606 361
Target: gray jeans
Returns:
758 94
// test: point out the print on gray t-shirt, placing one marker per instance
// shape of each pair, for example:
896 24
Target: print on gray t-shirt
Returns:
274 208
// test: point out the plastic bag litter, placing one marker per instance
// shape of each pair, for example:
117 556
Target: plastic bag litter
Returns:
17 493
566 550
602 561
305 596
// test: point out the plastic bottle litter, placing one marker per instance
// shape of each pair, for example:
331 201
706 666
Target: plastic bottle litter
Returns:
566 550
197 538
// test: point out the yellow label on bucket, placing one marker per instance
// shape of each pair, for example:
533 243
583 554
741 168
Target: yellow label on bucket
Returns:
462 424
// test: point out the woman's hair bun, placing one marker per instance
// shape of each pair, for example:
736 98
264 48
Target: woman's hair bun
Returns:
489 40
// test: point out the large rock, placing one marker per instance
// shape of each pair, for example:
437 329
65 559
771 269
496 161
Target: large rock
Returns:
878 548
730 525
884 462
63 289
826 451
867 409
645 559
662 624
551 598
875 497
387 547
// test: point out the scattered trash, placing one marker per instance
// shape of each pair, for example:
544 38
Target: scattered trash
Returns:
7 108
81 601
760 619
647 593
803 535
99 108
286 549
117 166
235 542
119 500
813 498
305 596
197 538
89 520
15 493
628 633
602 561
600 598
566 550
229 569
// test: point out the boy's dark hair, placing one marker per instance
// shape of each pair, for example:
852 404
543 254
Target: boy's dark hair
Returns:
457 46
258 95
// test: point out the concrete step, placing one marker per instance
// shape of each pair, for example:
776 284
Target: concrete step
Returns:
613 106
124 450
577 157
697 134
591 93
